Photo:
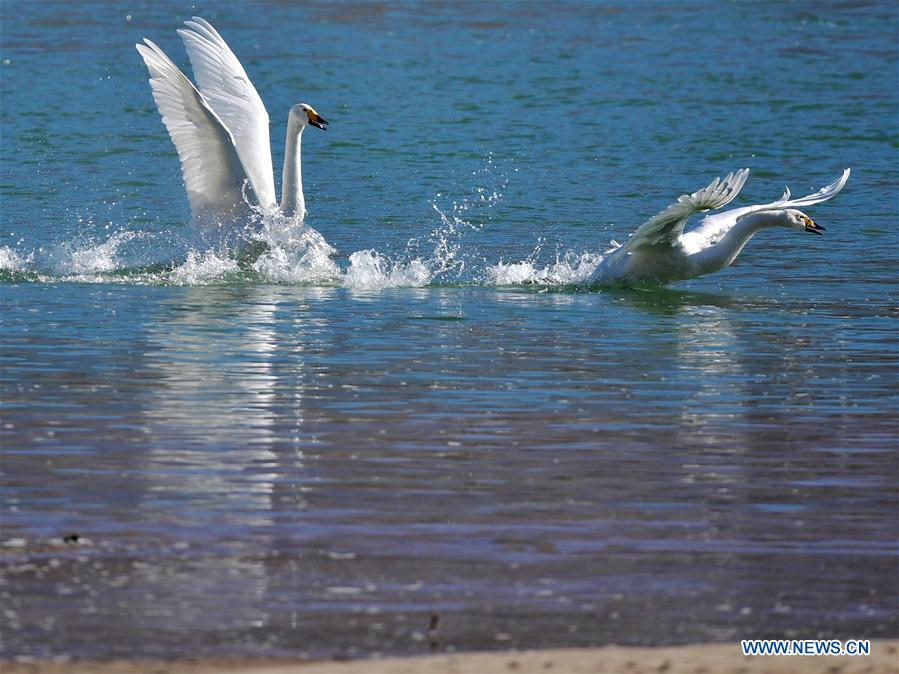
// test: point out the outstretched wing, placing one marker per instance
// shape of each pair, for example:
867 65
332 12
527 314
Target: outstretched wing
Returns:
824 194
667 226
225 85
213 175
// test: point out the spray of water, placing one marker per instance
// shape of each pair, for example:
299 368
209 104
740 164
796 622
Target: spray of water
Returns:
10 260
206 268
568 268
275 249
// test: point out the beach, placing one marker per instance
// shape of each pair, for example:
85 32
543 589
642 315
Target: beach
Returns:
691 659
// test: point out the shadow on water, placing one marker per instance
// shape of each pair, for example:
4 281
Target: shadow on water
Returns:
663 301
672 301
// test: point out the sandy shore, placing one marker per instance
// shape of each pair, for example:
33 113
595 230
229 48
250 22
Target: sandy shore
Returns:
698 659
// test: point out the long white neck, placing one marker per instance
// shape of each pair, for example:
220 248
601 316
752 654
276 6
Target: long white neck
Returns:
293 203
720 254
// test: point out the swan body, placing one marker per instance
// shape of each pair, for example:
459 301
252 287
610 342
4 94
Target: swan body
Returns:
660 252
220 129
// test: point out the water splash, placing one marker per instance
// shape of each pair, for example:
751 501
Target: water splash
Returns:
203 269
294 253
11 261
371 270
96 258
301 257
567 269
277 249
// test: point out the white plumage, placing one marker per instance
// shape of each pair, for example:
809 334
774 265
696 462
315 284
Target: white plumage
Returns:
660 252
221 131
226 86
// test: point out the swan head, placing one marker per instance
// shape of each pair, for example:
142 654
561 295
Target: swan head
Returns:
784 217
305 114
796 219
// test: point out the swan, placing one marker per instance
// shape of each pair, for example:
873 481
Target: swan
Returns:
660 252
221 132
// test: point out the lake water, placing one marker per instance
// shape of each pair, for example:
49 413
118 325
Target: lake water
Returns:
310 456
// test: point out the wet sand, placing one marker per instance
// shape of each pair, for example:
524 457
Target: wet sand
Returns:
695 659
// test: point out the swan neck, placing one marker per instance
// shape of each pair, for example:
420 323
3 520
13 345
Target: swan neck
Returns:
720 254
293 203
748 225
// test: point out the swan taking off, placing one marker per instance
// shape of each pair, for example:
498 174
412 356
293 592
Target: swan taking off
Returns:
660 252
221 131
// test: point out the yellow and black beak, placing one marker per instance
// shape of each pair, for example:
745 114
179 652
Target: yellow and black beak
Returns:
812 226
317 120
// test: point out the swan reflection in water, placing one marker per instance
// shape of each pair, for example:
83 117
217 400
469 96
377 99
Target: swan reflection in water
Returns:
228 420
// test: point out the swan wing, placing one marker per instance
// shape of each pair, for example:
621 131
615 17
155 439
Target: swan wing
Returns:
667 226
225 85
213 174
786 201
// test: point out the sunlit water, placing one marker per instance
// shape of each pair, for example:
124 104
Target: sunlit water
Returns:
310 450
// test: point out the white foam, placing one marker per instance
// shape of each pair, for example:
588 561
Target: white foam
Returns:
203 269
101 257
272 248
10 260
371 270
568 269
296 253
287 251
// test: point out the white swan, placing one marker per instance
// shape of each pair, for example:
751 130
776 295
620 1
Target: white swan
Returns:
221 131
660 252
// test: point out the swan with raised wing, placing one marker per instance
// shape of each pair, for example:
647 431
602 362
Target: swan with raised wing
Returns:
660 252
221 132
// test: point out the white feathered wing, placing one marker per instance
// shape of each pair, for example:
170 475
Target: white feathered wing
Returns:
215 179
668 226
225 85
786 201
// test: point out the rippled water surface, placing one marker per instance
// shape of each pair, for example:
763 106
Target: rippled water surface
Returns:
310 453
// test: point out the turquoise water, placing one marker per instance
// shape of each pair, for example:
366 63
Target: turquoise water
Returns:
310 456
